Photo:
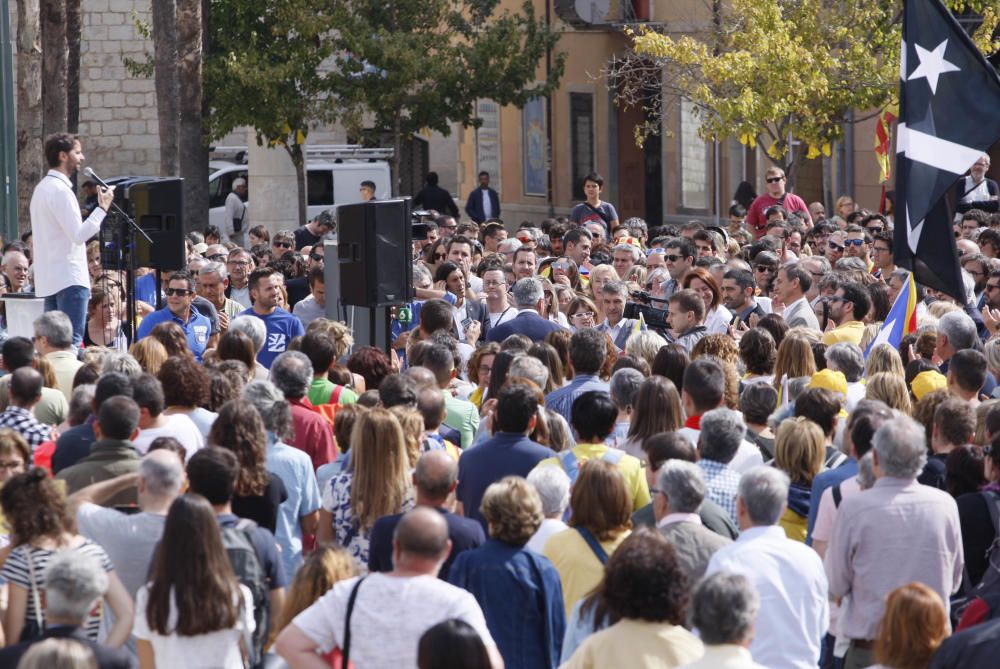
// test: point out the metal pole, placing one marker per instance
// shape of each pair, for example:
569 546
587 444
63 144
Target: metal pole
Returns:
8 130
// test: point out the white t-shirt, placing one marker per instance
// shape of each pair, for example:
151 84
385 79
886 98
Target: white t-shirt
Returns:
178 426
215 650
390 615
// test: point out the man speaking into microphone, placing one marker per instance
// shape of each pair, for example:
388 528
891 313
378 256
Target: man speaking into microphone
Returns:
61 234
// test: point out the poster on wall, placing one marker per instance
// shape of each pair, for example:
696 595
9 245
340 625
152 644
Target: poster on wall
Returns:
534 153
488 141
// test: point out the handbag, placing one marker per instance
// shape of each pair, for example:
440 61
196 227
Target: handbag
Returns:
34 627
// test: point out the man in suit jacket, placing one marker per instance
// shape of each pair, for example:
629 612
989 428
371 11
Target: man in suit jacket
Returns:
434 479
791 284
614 295
681 487
528 297
74 583
484 202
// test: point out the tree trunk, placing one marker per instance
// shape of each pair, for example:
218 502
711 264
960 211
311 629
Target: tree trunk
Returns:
54 57
74 28
30 160
165 59
193 160
297 155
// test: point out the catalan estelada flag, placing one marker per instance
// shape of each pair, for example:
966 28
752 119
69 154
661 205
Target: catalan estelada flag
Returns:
902 318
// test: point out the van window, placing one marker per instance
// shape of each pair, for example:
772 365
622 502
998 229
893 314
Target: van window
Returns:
320 187
220 188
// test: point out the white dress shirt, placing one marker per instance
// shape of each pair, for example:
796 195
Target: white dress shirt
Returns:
794 612
60 235
487 205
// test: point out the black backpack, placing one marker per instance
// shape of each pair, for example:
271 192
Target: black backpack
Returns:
239 545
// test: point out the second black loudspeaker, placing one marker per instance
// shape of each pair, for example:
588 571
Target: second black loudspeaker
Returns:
374 250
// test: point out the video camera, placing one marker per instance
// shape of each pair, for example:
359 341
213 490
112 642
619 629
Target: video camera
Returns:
656 319
419 228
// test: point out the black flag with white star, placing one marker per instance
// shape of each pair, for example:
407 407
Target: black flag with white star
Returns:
949 115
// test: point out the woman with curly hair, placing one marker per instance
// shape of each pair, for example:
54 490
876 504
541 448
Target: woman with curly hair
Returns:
186 391
518 589
372 364
375 484
644 596
240 429
36 513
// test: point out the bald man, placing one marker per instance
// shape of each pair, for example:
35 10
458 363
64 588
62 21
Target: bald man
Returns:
394 608
434 481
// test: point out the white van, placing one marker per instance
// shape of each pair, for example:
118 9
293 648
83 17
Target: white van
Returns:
333 177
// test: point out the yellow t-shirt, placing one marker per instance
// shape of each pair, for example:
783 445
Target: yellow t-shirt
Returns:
850 332
629 465
795 526
637 643
579 569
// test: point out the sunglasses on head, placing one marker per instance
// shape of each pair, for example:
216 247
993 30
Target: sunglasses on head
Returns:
657 251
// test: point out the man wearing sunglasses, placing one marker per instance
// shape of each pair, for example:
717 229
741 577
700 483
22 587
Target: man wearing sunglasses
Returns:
848 307
679 259
180 295
775 195
858 245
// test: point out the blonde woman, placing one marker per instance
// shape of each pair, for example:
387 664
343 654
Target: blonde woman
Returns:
890 389
376 484
884 358
150 354
343 340
794 359
412 423
599 276
799 451
645 344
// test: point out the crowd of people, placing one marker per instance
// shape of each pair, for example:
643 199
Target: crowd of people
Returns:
736 474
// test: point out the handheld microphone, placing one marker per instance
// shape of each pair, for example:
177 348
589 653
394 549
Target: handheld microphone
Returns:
91 174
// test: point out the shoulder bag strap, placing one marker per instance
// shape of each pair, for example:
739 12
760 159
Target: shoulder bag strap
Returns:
345 648
594 544
838 497
35 599
599 212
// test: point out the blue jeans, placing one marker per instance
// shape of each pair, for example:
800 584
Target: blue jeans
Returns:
72 301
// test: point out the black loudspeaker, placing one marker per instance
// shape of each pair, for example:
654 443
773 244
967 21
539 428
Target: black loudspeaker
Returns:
157 206
374 250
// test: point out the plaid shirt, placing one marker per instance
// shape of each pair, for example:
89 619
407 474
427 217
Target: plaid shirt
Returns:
721 485
24 423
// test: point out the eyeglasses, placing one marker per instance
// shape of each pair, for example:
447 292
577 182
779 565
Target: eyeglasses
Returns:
975 273
12 465
582 315
486 368
218 257
992 286
881 249
560 265
774 180
835 298
853 242
180 292
835 247
282 245
238 263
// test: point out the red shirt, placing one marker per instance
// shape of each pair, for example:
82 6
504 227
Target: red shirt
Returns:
313 433
757 222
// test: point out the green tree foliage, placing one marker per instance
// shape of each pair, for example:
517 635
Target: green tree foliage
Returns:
409 65
263 69
765 71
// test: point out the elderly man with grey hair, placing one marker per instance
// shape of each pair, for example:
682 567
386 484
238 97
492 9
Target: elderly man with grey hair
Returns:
552 484
720 437
789 576
723 609
955 331
299 513
528 298
74 584
530 368
849 360
54 340
679 493
895 533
